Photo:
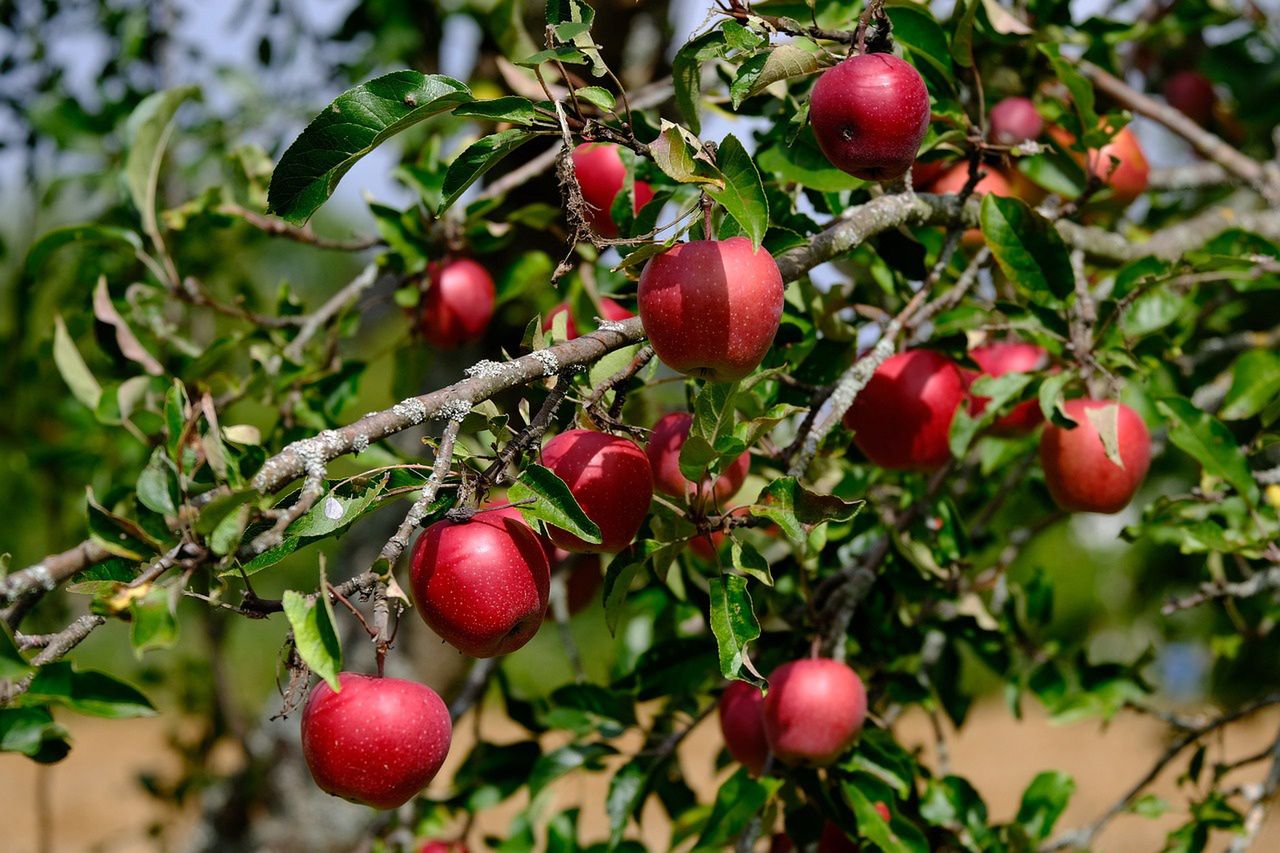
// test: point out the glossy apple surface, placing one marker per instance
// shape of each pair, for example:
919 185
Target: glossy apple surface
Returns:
611 480
1015 120
902 419
741 711
601 174
665 441
711 307
1000 358
458 303
378 741
1079 474
482 584
1191 93
612 311
814 711
869 115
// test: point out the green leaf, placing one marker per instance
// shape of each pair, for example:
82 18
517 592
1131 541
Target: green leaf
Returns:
53 240
797 58
564 760
962 39
1255 384
792 506
270 557
738 801
802 162
1206 439
916 29
733 621
551 502
1027 248
152 625
622 571
479 157
334 512
1082 96
744 558
597 95
314 632
627 791
72 367
1152 312
148 132
999 390
743 196
560 12
358 121
892 836
115 533
33 733
510 108
13 665
686 75
1052 398
93 693
710 438
157 485
1044 802
680 156
177 408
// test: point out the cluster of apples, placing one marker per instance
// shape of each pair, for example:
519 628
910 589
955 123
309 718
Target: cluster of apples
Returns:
902 420
813 712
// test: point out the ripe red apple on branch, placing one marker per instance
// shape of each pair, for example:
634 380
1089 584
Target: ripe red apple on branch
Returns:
665 441
869 115
601 175
1080 475
610 310
1191 93
741 712
378 741
814 711
712 307
1015 120
482 584
458 304
610 478
1121 164
902 419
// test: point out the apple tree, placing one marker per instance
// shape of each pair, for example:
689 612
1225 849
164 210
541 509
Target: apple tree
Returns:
781 362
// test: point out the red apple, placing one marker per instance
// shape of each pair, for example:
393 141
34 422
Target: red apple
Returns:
834 840
601 174
458 303
741 709
666 440
378 741
1015 120
869 115
582 579
481 584
1009 357
611 480
814 711
443 847
707 545
612 311
902 419
1128 177
1191 93
711 307
1079 474
924 174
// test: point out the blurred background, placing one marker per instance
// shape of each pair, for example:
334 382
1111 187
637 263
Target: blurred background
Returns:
71 71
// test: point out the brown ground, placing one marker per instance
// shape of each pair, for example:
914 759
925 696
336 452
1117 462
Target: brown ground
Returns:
96 804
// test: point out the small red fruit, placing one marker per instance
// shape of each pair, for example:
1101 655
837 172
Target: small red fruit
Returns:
482 585
458 303
378 741
601 174
1015 120
612 311
814 711
611 480
711 307
954 180
666 440
1127 177
869 115
902 419
1079 474
443 847
741 709
924 174
1010 357
1191 93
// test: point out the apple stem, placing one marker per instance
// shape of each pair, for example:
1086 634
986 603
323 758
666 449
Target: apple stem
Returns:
708 230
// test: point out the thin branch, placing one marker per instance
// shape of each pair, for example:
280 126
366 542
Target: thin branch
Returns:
1267 580
280 228
320 318
473 688
531 433
439 470
54 647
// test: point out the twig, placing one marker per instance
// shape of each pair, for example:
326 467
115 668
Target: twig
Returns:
1260 799
318 319
439 470
1264 581
473 688
1084 836
559 601
55 647
531 433
280 228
